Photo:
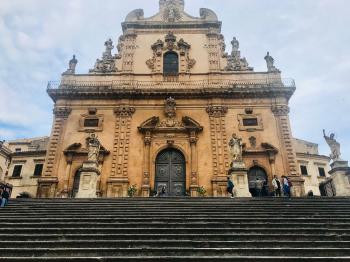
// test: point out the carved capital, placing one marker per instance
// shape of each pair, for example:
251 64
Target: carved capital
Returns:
62 112
217 111
124 111
280 110
193 140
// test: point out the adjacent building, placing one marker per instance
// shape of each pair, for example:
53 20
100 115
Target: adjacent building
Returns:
5 158
26 165
312 166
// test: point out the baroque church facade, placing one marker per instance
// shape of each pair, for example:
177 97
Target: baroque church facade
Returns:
164 105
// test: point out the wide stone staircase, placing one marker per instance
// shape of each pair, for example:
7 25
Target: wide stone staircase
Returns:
176 229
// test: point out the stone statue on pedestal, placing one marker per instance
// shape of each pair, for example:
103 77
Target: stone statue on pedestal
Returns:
236 147
238 171
270 63
72 65
334 146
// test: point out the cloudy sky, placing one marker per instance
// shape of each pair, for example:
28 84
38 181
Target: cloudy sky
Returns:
309 40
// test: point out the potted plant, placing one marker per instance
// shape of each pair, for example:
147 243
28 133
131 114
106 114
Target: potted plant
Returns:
132 190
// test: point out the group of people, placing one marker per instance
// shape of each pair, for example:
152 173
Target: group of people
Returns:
261 189
4 196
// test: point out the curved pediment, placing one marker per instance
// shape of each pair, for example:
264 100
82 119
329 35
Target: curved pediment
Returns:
171 11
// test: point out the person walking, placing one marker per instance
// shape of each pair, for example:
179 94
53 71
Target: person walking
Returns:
230 187
276 183
5 197
259 184
286 186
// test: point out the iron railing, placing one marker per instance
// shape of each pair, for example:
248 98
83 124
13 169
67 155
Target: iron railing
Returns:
134 84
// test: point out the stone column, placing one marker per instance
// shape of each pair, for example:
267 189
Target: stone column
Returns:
281 113
218 136
146 187
117 184
194 165
47 184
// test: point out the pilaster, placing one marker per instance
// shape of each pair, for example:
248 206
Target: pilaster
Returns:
218 136
119 172
281 113
47 184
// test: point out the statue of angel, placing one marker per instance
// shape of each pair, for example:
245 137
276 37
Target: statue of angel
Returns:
334 146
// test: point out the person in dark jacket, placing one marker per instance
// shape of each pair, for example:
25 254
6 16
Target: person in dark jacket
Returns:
5 197
230 187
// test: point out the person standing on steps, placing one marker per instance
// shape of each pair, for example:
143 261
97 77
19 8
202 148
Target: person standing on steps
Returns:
286 186
5 197
259 184
230 187
276 183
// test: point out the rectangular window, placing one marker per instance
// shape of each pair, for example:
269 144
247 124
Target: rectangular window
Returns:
250 122
38 169
304 170
91 122
321 171
18 149
17 171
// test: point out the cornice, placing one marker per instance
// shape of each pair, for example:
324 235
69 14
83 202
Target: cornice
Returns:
107 93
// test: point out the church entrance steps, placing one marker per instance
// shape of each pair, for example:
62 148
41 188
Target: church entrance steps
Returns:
176 229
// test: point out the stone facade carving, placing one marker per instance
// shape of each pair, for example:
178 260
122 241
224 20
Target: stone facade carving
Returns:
108 62
71 67
171 10
170 44
235 62
270 63
334 145
217 111
127 44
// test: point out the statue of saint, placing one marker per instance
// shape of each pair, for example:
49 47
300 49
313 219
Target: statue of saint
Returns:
236 148
334 146
93 147
72 65
270 63
109 47
235 44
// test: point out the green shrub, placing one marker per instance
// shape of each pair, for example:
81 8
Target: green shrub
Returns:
132 190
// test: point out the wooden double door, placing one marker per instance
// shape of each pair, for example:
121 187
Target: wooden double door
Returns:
170 178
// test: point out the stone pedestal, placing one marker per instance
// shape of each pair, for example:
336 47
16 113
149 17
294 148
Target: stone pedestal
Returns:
88 180
340 173
239 175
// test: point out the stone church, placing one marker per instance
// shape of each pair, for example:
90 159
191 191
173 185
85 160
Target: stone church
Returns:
163 104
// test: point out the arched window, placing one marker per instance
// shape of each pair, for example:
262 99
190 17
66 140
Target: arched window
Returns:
171 64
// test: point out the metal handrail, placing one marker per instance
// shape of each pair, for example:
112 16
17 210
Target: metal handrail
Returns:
135 84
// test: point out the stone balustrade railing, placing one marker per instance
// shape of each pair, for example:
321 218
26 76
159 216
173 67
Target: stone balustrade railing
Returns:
130 84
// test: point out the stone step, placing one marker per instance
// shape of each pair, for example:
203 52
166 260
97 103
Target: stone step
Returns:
173 244
179 230
208 219
165 225
276 236
178 259
141 252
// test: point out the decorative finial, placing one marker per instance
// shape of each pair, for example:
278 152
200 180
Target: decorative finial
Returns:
270 63
72 64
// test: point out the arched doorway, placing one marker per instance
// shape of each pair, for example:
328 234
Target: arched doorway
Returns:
76 183
254 173
171 64
171 173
